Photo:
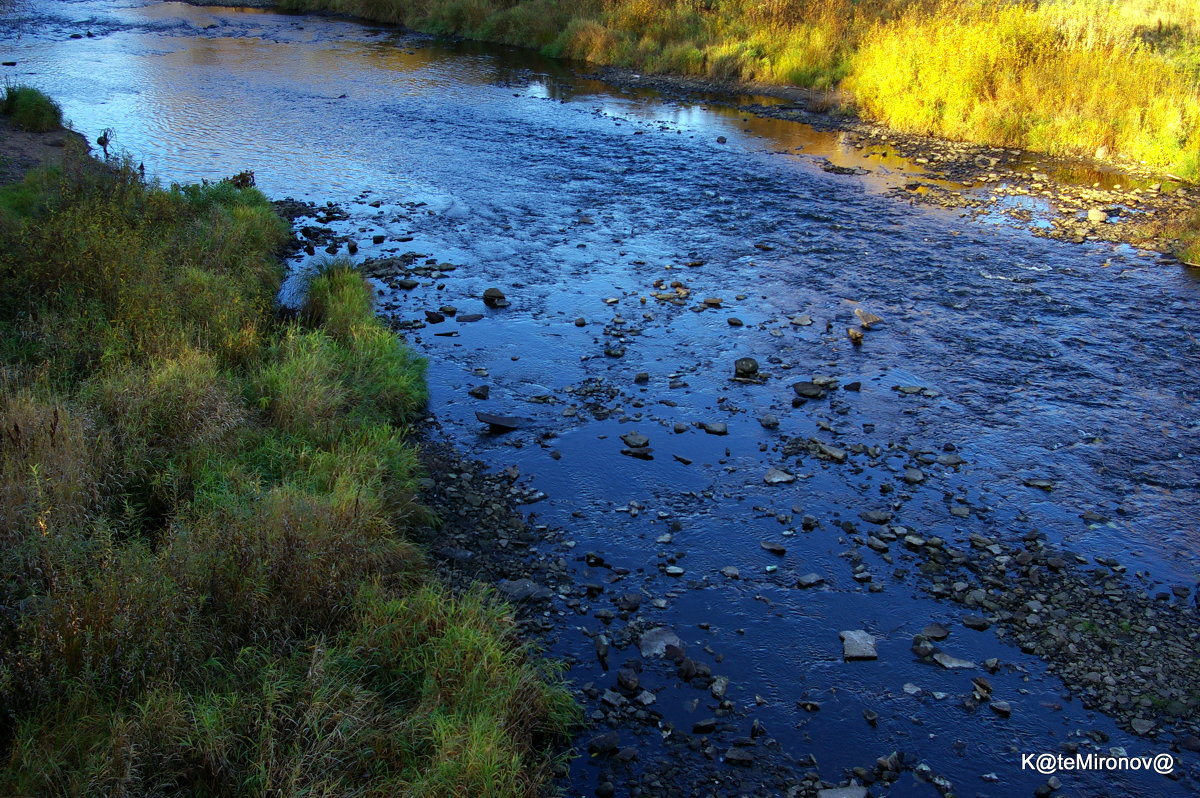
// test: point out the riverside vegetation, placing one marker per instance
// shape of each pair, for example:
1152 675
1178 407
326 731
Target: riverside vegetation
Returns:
207 587
1056 76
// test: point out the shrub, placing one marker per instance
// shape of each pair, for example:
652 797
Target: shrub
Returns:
30 109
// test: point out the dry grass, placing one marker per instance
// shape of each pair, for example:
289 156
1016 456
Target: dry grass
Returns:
1066 77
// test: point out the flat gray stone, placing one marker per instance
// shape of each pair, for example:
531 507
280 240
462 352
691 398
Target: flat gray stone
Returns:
654 642
843 792
809 580
1141 725
952 663
858 644
775 476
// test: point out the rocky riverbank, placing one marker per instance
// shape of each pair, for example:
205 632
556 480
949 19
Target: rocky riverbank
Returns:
1068 199
1118 648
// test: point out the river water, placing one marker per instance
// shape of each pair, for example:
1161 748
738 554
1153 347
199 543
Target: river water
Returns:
1036 360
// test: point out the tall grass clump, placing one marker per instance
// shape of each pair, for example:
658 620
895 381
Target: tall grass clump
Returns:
30 109
202 521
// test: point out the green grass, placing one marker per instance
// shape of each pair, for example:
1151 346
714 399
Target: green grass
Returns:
1056 76
30 109
202 521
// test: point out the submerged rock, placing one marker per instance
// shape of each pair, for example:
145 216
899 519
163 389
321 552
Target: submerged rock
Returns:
952 663
654 642
775 476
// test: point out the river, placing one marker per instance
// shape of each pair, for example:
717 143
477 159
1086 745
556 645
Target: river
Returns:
1062 375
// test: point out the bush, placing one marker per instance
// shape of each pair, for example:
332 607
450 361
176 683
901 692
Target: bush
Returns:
31 110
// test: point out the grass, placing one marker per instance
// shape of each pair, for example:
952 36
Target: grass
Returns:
1056 76
1188 233
202 522
30 109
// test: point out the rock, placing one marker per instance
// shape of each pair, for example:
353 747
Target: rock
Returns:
494 298
745 367
629 602
1141 726
858 644
1001 708
654 642
739 756
827 452
769 421
871 716
875 516
774 476
706 726
976 622
1041 484
522 590
1097 215
773 547
914 476
731 572
734 321
843 792
922 647
673 570
721 139
808 390
855 336
604 743
480 391
802 321
433 317
867 320
935 631
498 423
715 427
641 378
952 663
635 440
377 239
467 318
809 580
407 283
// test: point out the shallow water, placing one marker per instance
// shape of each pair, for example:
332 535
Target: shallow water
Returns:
1074 364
